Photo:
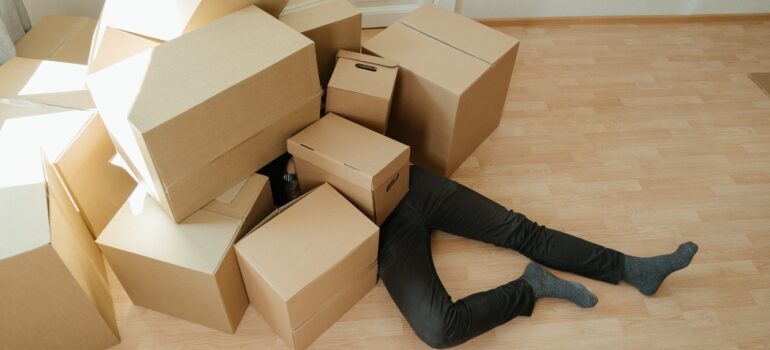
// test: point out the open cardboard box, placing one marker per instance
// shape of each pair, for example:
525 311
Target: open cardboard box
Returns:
54 292
308 264
187 270
452 83
190 125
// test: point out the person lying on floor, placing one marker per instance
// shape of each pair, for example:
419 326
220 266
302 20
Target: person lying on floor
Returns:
437 203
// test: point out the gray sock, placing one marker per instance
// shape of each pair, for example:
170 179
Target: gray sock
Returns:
546 285
646 274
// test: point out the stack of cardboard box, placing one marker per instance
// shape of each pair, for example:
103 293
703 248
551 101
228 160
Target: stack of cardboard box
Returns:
153 163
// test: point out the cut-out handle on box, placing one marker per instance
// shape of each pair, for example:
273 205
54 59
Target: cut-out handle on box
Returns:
392 182
366 67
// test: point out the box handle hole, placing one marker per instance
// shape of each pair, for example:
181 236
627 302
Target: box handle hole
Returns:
366 67
392 182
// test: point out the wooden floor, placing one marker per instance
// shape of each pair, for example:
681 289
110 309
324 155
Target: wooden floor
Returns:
637 137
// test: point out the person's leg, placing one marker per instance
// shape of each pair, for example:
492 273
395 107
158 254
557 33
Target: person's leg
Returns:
456 209
407 270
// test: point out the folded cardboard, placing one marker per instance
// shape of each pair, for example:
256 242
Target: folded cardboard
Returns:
189 132
54 293
165 20
48 82
308 264
186 270
369 169
453 79
116 45
332 24
361 89
58 38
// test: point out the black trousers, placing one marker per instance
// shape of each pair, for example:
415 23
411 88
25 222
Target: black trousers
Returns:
406 266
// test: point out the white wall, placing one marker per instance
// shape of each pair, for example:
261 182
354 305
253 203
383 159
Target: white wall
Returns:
569 8
40 8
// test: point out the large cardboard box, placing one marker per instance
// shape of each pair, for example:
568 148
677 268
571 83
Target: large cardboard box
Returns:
58 38
186 270
165 20
54 293
332 24
361 89
308 264
190 124
96 184
48 82
371 170
452 83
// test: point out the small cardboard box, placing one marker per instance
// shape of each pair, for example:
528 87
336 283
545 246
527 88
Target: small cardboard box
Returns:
164 20
191 125
332 24
49 82
54 293
361 89
186 270
453 80
371 170
308 264
58 38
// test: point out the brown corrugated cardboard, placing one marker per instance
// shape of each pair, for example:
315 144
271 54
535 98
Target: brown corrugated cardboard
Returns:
117 45
55 293
48 82
333 25
308 264
190 133
361 89
186 270
371 170
452 83
58 38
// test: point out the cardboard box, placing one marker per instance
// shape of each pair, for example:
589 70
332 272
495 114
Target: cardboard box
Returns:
164 20
453 79
54 293
97 186
48 82
190 133
58 38
308 264
369 169
186 270
332 24
361 89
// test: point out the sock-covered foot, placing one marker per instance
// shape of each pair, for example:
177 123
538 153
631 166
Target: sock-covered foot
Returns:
546 285
646 274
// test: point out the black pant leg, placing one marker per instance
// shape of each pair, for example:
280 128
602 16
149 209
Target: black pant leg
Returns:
456 209
407 270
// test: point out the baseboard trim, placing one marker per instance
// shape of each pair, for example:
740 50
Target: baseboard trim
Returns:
589 20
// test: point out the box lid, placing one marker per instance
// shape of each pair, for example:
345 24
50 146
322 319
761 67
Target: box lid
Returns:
316 14
307 239
350 75
26 129
441 46
49 82
60 38
198 243
353 152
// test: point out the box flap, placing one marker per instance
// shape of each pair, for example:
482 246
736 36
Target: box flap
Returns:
198 243
273 7
306 240
364 74
117 45
317 14
364 58
53 33
461 33
353 152
49 82
25 130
